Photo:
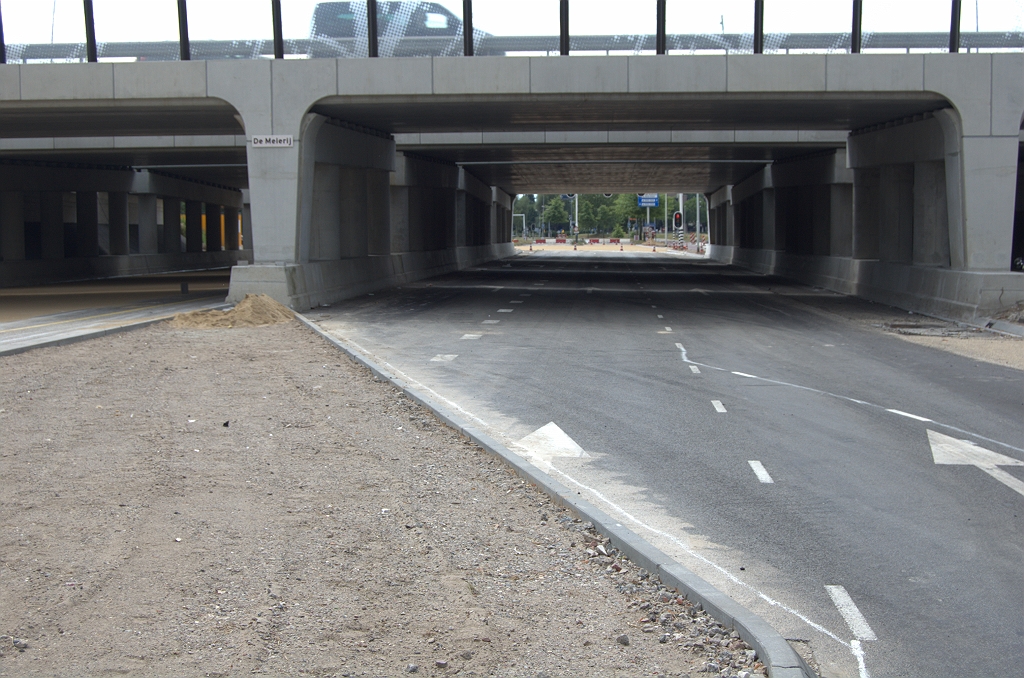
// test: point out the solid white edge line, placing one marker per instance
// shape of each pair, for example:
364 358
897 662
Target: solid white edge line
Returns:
908 414
760 471
744 374
719 407
854 619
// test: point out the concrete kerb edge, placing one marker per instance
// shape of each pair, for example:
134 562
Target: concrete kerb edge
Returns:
778 656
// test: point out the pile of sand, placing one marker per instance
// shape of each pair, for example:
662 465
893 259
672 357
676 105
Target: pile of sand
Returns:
253 311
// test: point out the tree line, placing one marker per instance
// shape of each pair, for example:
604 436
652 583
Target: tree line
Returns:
614 214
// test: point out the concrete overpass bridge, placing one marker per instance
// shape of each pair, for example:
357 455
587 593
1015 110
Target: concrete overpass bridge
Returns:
895 176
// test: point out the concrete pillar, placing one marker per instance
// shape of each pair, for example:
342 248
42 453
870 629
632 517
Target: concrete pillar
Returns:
378 212
771 239
841 219
149 235
12 226
247 241
213 228
896 213
118 214
87 219
230 228
400 219
172 226
51 223
865 212
931 220
990 181
193 226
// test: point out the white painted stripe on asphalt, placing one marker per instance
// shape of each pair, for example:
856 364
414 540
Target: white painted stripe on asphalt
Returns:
744 374
668 329
719 407
505 310
908 414
694 369
490 322
471 336
760 471
516 301
446 358
660 316
858 652
854 619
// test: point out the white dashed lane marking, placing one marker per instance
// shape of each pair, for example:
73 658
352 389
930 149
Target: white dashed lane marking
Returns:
694 369
505 310
760 471
854 619
490 322
719 407
471 336
908 414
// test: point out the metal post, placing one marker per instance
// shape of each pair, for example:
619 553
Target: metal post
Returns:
563 32
758 26
275 8
697 226
371 28
954 28
183 46
577 234
90 32
3 45
666 220
467 27
660 41
855 33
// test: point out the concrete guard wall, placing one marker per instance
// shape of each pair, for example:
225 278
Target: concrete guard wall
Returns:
320 282
933 291
38 272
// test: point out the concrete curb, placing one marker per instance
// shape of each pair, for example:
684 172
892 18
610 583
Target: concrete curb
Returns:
778 656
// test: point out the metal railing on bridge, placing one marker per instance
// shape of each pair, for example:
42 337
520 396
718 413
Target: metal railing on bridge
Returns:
166 30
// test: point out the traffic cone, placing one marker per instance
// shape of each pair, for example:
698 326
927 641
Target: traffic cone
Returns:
620 247
531 247
655 249
574 248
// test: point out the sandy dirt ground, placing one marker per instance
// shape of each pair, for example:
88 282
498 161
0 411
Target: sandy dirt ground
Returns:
222 502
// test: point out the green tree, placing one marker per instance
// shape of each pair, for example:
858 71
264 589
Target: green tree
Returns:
555 213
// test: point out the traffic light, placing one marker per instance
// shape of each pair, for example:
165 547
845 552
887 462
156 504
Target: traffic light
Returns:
677 220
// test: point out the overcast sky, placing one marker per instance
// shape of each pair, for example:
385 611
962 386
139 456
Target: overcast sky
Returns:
38 21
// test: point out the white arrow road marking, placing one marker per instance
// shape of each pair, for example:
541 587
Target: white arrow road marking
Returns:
447 358
949 450
854 619
719 407
548 442
760 471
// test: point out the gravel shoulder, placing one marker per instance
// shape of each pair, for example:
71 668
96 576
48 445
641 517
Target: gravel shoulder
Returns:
222 502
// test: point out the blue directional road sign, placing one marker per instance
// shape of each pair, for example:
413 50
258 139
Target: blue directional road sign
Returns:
647 199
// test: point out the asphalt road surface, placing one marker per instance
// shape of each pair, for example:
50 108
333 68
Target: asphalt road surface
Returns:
861 493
